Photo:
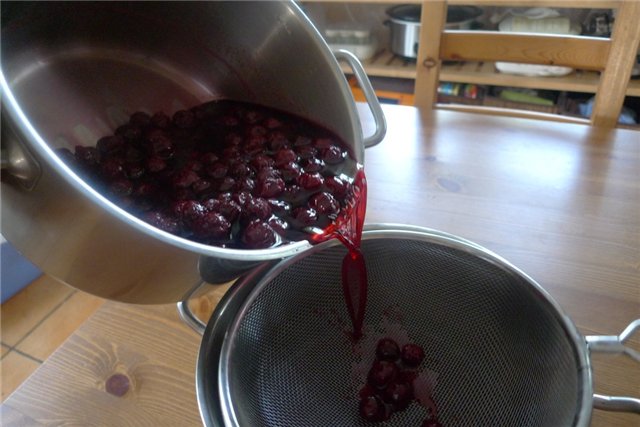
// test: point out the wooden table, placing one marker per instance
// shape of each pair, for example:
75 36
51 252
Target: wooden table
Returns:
560 201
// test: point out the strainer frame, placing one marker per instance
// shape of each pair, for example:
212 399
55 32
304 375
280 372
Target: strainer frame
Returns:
216 406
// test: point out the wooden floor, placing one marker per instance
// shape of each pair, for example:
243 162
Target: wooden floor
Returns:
35 322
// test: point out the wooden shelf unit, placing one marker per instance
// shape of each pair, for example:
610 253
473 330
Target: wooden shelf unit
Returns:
385 64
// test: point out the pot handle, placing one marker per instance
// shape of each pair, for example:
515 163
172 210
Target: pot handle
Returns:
615 344
369 94
187 315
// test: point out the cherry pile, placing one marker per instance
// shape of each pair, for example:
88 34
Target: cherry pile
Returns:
225 173
389 386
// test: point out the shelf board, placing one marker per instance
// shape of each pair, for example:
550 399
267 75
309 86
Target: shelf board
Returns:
386 64
574 4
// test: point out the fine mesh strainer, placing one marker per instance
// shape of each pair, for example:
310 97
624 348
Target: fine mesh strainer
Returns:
499 350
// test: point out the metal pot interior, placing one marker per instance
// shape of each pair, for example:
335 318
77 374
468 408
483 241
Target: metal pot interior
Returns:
74 71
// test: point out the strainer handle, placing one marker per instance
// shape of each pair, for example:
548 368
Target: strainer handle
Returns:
615 344
369 95
187 315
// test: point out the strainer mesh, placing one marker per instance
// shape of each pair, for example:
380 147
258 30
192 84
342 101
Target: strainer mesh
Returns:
500 354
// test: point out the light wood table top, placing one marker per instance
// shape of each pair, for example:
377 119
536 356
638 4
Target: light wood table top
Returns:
559 201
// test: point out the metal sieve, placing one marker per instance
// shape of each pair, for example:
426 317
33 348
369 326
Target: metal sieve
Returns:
499 349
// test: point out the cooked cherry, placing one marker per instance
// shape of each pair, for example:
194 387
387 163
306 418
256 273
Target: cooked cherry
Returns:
202 186
306 151
212 205
217 170
269 186
112 168
387 349
230 209
290 172
382 373
336 186
121 187
373 409
156 164
431 422
140 119
245 184
293 194
279 207
305 216
332 155
86 156
277 140
398 393
324 203
257 207
110 144
160 120
258 234
239 170
161 221
284 156
184 119
262 162
302 141
412 354
188 210
272 123
129 133
226 184
310 181
209 158
184 178
211 225
256 130
312 164
279 225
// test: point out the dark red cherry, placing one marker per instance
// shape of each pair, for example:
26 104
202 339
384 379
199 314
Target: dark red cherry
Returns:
86 156
226 184
262 161
387 349
160 120
184 178
121 187
188 211
258 234
161 221
373 409
279 225
305 216
140 119
257 207
337 186
284 156
431 422
269 187
382 373
112 168
290 172
211 225
129 133
324 203
398 393
312 164
184 119
310 181
230 209
412 355
217 170
306 151
110 144
332 155
156 164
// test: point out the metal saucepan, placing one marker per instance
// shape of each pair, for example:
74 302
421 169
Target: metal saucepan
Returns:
405 22
502 353
74 71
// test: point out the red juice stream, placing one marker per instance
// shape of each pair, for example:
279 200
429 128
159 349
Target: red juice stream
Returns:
348 229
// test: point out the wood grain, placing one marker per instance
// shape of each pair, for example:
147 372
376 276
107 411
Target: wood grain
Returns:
559 201
584 53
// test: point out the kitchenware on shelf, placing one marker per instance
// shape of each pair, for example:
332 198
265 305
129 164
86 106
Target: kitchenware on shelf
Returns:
404 23
73 72
502 352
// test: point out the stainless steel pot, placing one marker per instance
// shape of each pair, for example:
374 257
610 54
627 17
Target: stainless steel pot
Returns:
404 23
274 352
73 71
